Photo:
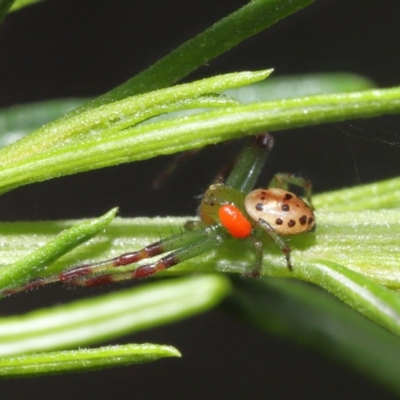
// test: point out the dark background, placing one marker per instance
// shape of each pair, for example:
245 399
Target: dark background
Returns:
84 48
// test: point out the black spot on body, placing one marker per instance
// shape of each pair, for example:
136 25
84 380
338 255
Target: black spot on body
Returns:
291 223
279 221
303 220
288 196
285 207
259 207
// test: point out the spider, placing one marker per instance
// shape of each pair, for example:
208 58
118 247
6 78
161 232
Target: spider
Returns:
229 209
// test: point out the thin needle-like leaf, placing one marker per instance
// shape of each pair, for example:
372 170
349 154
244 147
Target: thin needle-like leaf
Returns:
250 19
58 362
105 317
110 147
29 266
5 6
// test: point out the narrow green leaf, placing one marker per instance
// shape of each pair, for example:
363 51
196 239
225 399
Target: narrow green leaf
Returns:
93 320
29 266
110 147
286 87
252 18
18 4
374 301
116 117
17 121
83 360
5 6
374 196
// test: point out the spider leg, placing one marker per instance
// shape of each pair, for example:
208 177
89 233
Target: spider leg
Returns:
170 169
249 163
188 237
277 239
208 242
196 239
259 251
283 180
